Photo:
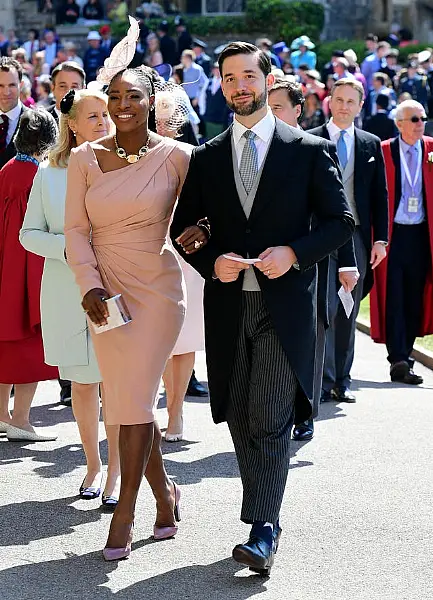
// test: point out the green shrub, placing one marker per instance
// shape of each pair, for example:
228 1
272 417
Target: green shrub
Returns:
277 18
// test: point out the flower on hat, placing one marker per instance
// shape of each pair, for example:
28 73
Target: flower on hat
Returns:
165 105
430 157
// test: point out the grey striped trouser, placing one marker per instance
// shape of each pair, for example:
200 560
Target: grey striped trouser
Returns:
260 415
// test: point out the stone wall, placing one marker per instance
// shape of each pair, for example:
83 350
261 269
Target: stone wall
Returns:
7 15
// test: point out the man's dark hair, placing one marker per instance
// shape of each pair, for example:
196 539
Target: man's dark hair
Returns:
371 37
294 92
382 101
36 133
68 66
7 64
236 48
380 77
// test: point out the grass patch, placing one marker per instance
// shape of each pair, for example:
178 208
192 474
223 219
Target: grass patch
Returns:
364 314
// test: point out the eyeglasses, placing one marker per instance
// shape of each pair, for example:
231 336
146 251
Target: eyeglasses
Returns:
416 119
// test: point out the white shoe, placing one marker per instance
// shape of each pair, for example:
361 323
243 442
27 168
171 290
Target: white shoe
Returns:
3 427
15 434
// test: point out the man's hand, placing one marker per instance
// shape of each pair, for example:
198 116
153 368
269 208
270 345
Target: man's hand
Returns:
378 253
348 279
228 270
276 261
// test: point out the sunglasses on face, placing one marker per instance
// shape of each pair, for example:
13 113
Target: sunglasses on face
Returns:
416 119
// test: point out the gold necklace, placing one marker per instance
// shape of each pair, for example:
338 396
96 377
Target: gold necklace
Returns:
131 158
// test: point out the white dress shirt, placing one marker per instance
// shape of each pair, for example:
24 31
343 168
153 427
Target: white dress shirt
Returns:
334 133
264 131
14 117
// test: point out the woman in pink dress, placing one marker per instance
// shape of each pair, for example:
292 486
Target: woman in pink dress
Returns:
120 196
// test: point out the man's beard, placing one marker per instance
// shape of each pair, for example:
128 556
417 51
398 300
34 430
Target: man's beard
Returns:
246 110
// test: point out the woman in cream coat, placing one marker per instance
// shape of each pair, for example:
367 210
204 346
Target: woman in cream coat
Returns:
67 342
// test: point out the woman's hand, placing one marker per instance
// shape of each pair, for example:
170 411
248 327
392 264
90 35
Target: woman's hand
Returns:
192 239
95 307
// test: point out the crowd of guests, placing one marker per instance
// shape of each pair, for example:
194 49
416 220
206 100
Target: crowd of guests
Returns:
371 205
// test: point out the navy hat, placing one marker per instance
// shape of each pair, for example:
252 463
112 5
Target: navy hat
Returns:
338 53
412 64
199 43
163 26
179 21
280 47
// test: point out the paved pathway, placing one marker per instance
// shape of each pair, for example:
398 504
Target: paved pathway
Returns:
357 516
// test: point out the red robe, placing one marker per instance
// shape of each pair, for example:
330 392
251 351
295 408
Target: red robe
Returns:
378 293
21 347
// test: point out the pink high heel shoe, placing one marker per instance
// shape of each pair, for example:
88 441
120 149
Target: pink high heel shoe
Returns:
165 533
110 554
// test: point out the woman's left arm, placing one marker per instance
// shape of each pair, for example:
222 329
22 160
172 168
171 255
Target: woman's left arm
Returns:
34 235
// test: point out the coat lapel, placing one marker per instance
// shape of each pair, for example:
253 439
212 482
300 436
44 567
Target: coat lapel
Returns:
359 164
224 159
282 149
395 153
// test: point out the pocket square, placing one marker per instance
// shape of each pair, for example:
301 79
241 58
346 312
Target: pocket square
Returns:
371 159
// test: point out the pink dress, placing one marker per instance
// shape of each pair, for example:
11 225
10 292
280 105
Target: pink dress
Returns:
126 215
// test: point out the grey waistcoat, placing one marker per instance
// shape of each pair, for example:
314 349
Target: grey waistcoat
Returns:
250 283
348 176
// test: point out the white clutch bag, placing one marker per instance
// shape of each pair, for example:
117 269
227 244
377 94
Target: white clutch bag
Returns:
118 314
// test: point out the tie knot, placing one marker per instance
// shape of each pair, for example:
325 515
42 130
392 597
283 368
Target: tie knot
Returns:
343 132
4 119
412 150
249 135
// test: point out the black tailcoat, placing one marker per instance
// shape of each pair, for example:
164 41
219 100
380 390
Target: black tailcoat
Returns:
299 180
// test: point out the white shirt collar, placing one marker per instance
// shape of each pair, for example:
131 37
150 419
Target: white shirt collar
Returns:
58 112
15 112
264 129
334 130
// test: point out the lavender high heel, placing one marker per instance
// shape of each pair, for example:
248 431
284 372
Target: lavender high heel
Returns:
110 554
165 533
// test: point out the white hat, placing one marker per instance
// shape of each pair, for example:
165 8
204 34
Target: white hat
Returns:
93 35
424 56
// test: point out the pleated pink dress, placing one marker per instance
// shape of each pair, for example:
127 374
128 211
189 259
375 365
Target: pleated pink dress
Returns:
116 228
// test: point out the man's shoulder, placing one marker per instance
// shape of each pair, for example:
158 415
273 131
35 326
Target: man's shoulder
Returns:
318 131
366 136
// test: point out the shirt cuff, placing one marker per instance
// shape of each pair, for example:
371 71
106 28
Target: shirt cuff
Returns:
381 242
347 269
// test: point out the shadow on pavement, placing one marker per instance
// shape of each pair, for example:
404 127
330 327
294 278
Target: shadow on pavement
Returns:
30 521
85 577
358 384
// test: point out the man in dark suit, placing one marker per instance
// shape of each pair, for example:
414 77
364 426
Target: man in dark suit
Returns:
11 107
184 40
362 167
260 321
380 123
66 76
167 45
201 58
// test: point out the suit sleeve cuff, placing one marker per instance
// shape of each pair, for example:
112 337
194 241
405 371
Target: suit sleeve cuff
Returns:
347 269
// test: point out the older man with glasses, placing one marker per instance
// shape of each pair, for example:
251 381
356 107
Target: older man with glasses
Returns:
402 299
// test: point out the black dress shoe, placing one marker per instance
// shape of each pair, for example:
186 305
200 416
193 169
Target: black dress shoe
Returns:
402 372
303 431
65 392
255 554
327 396
195 388
345 395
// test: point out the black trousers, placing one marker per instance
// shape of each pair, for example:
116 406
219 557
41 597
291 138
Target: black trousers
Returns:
262 391
408 263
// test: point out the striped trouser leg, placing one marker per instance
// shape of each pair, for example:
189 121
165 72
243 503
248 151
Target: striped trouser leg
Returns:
263 390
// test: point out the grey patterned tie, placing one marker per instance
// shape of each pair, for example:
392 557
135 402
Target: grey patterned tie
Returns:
249 161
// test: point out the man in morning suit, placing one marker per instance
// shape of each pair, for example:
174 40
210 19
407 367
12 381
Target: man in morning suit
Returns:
401 301
66 76
11 107
363 171
287 101
381 124
260 321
